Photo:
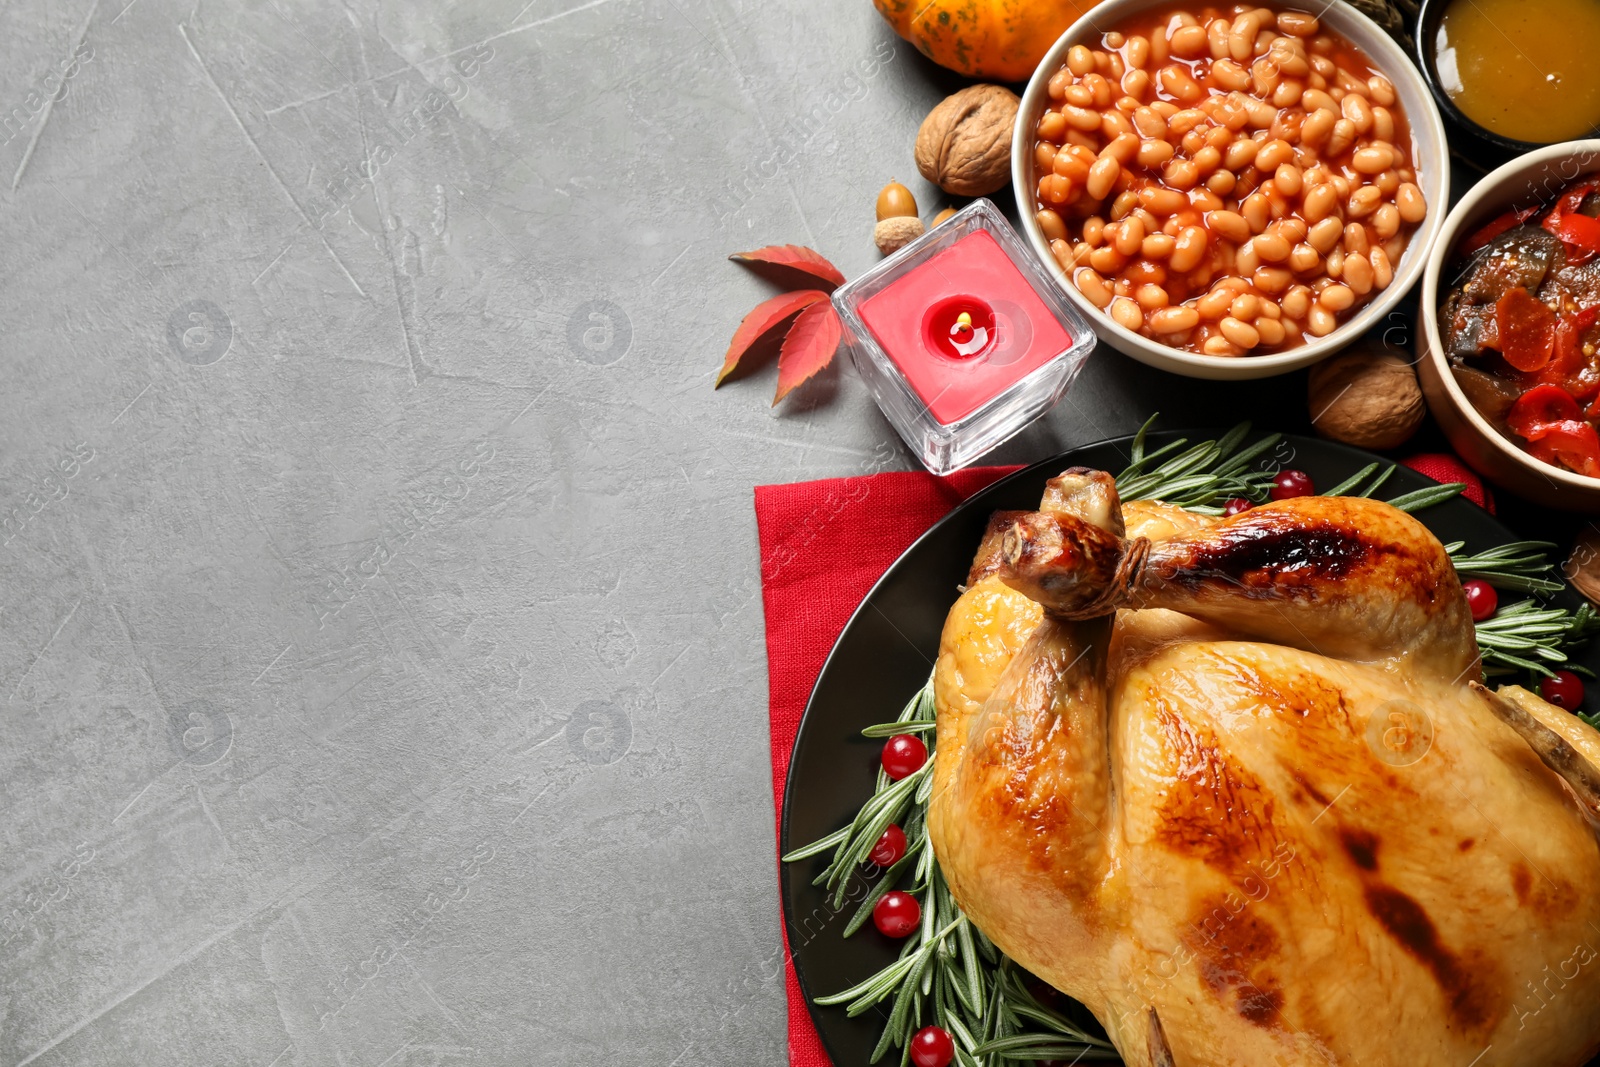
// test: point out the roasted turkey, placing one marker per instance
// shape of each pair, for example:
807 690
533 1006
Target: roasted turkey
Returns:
1236 786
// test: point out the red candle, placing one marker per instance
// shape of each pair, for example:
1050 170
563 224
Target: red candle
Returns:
963 327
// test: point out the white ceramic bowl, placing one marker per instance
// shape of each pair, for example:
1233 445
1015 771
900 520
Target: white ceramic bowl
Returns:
1527 180
1430 151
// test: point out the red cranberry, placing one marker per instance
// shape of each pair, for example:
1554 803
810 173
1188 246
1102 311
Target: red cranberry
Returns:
890 849
1290 484
903 755
932 1047
1237 506
897 914
1564 690
1481 598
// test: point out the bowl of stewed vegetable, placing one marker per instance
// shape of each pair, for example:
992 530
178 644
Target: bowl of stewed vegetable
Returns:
1509 337
1230 191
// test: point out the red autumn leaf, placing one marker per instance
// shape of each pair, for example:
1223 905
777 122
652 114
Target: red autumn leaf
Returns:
767 314
812 341
794 257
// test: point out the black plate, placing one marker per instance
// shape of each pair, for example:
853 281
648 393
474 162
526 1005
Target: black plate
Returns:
884 656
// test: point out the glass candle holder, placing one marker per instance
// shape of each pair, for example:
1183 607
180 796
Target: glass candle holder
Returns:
962 337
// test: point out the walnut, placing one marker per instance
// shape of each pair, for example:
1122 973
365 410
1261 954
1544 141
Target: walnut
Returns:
894 234
1366 398
964 145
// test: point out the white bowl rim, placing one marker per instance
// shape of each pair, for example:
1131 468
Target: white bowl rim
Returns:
1430 127
1428 296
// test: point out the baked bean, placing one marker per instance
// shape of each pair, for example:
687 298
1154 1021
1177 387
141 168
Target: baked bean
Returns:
1219 138
1071 166
1314 100
1364 201
1217 31
1127 314
1181 174
1205 200
1229 224
1272 279
1358 273
1162 201
1296 302
1114 124
1151 223
1408 198
1287 179
1358 111
1342 137
1274 154
1382 270
1270 331
1122 148
1245 306
1138 51
1100 88
1220 346
1242 152
1183 121
1188 249
1355 239
1174 319
1317 128
1257 210
1298 23
1114 39
1304 259
1160 48
1373 159
1051 225
1081 118
1240 333
1265 77
1094 229
1054 189
1325 234
1342 186
1142 272
1151 297
1130 236
1247 259
1222 182
1044 157
1394 248
1193 141
1381 90
1149 122
1242 38
1386 221
1080 60
1158 246
1107 260
1229 75
1136 83
1124 203
1082 140
1388 182
1383 124
1052 124
1337 298
1262 114
1288 92
1189 42
1320 322
1056 87
1080 96
1092 286
1214 304
1102 176
1063 253
1272 247
1179 84
1335 264
1207 160
1153 153
1269 310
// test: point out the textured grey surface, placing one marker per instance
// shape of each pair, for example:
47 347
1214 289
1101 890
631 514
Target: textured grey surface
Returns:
380 629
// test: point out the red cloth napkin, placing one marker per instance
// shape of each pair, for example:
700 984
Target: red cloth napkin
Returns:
823 545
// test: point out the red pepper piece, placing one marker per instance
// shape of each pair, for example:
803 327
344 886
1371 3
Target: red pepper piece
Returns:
1538 407
1527 330
1569 203
1581 233
1567 368
1494 229
1571 444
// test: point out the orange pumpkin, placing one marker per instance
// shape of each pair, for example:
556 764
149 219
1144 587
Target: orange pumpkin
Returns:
996 40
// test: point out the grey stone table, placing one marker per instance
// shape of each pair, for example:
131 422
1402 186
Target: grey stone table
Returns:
380 629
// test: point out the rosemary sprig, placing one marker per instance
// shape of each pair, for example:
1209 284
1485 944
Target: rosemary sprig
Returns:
1527 636
947 969
1521 566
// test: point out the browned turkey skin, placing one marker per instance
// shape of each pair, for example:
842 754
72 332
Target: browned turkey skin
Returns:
1235 786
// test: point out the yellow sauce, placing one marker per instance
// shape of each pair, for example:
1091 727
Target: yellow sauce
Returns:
1526 69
